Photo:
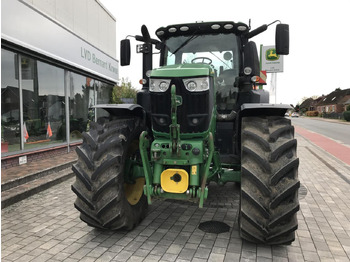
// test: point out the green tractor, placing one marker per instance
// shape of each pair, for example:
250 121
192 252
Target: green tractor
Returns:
199 118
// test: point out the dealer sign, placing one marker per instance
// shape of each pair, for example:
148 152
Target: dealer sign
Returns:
270 61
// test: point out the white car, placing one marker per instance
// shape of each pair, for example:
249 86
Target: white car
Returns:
295 114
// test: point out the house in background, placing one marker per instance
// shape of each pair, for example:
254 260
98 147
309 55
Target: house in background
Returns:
334 102
346 104
306 105
310 104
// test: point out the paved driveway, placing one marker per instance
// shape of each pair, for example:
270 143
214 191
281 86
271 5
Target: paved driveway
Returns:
46 227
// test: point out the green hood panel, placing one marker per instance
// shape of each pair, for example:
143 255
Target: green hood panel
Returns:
183 70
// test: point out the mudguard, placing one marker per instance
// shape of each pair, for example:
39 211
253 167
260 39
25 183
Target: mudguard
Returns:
123 110
255 109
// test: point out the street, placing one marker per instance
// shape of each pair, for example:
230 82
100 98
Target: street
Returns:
46 227
337 131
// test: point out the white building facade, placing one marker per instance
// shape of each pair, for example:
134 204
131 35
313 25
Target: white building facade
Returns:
58 60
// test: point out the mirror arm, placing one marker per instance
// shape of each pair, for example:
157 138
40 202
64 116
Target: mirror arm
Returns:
275 22
260 29
257 31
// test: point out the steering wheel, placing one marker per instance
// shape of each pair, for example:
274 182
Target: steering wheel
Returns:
203 59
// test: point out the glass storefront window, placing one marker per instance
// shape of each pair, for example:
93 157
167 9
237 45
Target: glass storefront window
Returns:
104 93
10 119
45 90
104 96
81 100
43 103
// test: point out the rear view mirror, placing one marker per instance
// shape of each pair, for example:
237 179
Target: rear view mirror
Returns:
125 52
282 39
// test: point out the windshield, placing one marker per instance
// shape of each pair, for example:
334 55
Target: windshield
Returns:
220 50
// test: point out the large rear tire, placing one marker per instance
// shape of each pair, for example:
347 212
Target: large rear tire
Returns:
269 183
107 197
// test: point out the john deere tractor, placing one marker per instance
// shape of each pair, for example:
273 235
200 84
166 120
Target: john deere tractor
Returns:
199 118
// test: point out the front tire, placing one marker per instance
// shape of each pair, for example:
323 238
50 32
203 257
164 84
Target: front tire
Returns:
107 197
269 183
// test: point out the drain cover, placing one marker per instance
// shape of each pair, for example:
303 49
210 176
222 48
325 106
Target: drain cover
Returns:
213 226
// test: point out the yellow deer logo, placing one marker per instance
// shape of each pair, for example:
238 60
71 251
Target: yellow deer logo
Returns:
271 55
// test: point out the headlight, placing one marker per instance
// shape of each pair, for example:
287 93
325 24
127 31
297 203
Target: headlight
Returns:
197 84
248 70
159 85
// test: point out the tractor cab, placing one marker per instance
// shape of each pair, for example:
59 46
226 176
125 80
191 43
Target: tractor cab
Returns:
216 44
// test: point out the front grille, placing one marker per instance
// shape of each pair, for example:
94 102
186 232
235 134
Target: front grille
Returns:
193 115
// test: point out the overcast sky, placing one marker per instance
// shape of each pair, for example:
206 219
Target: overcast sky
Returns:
319 58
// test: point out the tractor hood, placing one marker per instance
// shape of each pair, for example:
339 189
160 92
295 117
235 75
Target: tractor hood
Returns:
195 113
183 70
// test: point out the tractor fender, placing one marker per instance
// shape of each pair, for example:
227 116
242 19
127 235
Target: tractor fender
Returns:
124 110
256 109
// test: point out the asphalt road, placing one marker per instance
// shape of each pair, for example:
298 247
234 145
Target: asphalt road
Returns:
336 131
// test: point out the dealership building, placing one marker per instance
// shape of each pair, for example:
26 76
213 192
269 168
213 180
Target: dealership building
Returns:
58 60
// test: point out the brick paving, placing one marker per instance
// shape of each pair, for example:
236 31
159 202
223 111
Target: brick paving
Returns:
46 227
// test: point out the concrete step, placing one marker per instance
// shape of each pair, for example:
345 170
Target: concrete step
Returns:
18 189
36 175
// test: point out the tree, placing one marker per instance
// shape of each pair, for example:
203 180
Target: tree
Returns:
122 91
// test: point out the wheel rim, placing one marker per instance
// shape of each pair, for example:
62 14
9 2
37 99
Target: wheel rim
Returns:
133 192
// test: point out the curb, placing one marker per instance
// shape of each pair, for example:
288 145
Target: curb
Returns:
22 188
33 176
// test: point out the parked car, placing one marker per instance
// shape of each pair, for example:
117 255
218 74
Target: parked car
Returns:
295 114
